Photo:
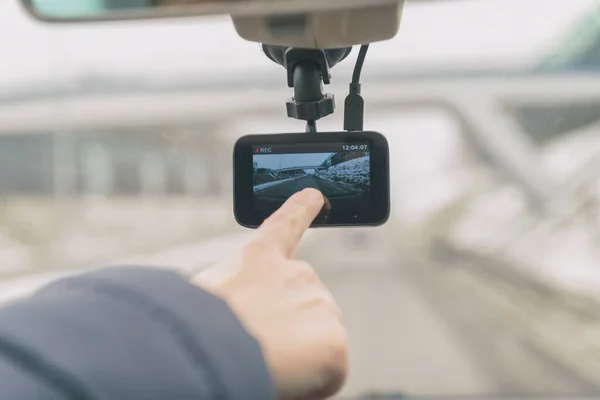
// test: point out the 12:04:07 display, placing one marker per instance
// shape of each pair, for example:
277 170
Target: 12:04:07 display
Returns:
350 147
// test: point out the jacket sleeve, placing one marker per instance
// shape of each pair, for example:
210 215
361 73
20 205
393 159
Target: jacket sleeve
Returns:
128 333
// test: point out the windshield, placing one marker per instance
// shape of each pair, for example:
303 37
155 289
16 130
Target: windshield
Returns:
116 143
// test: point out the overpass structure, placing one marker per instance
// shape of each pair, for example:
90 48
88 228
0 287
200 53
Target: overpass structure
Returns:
298 168
484 105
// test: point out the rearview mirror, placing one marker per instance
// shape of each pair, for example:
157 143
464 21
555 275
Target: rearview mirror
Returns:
298 23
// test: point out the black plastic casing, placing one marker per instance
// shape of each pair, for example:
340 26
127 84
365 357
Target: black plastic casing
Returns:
250 211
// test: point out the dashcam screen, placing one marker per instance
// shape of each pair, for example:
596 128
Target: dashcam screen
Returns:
341 171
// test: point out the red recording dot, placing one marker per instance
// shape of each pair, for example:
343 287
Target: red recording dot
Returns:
257 150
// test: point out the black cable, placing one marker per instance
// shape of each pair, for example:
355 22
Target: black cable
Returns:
355 104
360 60
311 126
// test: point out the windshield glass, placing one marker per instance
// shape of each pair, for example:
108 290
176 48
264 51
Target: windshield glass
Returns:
116 142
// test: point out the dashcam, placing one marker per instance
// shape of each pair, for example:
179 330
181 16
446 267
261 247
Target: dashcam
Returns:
350 169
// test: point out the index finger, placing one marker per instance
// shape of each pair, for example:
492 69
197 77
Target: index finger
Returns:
284 228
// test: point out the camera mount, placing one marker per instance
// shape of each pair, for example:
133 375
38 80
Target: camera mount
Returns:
307 71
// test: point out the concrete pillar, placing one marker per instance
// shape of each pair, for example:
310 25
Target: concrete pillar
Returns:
66 204
195 175
153 174
64 165
99 172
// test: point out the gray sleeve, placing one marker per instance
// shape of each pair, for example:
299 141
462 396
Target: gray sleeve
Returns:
128 333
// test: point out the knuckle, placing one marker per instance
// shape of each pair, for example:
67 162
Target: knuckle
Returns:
292 221
326 305
335 308
322 302
328 302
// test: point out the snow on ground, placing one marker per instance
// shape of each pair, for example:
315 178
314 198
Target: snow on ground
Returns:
563 251
565 256
418 199
490 219
263 186
354 172
564 157
344 185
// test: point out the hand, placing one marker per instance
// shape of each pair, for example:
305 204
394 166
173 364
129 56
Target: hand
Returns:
283 303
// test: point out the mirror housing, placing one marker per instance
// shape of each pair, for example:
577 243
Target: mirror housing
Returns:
326 29
322 24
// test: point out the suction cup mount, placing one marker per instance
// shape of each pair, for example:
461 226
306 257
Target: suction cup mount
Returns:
307 72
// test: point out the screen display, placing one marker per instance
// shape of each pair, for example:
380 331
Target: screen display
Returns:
338 170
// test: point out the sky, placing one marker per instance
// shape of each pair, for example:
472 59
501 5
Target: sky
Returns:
277 161
460 32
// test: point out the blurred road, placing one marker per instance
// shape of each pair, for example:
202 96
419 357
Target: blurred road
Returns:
414 329
327 187
397 343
